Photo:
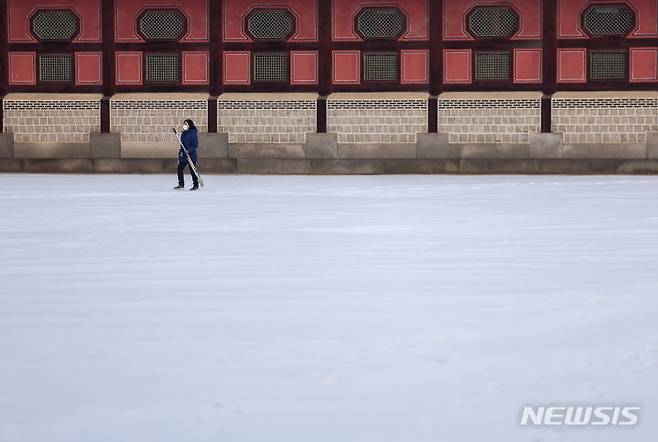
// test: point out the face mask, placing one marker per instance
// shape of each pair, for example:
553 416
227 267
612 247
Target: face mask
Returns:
185 127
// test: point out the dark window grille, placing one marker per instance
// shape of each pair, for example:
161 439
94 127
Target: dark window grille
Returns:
55 25
270 24
609 20
381 23
162 68
57 68
493 65
493 22
607 65
381 66
271 67
162 25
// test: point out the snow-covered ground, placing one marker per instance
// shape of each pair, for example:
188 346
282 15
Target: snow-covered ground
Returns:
324 309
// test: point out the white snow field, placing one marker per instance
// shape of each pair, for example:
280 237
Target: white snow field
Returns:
325 309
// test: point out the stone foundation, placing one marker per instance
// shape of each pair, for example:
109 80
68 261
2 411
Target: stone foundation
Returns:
267 118
144 120
377 117
605 117
489 117
51 118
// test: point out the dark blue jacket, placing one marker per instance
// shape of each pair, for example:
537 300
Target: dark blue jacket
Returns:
190 140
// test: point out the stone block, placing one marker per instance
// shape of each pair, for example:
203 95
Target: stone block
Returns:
578 166
6 145
604 151
213 145
652 145
58 165
137 165
266 151
496 151
647 167
347 167
217 166
105 145
321 146
255 166
376 151
51 150
425 166
545 145
500 166
10 165
436 146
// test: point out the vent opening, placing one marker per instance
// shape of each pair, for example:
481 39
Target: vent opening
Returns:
493 22
270 24
381 66
55 25
271 67
56 68
493 65
162 68
381 23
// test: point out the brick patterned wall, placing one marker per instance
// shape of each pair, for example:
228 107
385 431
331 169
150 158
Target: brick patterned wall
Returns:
56 118
605 118
490 117
377 118
267 118
147 119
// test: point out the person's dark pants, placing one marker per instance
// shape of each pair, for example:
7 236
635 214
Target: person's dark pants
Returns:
181 169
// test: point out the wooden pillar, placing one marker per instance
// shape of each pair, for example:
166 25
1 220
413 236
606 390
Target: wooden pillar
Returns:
549 61
4 59
109 46
324 62
215 53
436 62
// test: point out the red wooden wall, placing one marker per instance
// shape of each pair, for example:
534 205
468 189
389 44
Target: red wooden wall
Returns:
342 50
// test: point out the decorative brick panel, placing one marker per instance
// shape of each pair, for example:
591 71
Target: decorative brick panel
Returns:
51 118
377 118
490 117
148 118
267 118
604 117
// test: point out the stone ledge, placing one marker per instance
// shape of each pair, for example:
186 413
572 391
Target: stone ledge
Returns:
377 96
60 165
269 96
6 145
149 150
321 146
333 166
39 96
486 96
436 146
545 145
52 150
266 151
376 151
213 145
496 151
160 96
252 166
105 145
652 145
604 94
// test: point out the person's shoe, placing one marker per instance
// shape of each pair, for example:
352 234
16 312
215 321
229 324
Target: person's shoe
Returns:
180 186
195 187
